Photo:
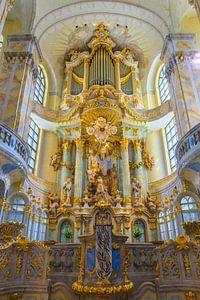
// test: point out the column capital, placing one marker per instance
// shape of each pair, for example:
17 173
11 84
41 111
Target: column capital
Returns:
124 143
79 143
66 144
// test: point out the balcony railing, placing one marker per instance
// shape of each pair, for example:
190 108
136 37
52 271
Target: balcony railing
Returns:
188 147
12 145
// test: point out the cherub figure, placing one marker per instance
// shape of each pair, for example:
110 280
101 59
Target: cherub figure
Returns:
54 203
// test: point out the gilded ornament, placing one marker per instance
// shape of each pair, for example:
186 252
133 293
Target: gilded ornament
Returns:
152 223
186 262
124 144
190 295
115 246
90 246
2 201
182 242
19 263
4 262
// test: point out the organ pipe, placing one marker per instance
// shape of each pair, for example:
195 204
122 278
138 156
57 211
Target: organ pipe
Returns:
101 68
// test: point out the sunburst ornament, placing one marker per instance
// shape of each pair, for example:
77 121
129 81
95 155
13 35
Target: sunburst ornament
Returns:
101 129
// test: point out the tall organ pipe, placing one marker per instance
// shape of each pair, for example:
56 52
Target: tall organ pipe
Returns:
101 68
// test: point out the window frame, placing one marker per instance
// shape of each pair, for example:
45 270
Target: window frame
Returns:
16 212
163 86
40 86
171 135
33 142
189 211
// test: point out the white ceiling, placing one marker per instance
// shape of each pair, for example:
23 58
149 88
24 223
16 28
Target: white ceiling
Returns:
143 25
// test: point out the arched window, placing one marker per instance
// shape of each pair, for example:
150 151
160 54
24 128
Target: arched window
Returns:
163 86
189 209
33 140
139 224
172 139
40 86
162 226
35 226
16 212
43 226
66 225
169 225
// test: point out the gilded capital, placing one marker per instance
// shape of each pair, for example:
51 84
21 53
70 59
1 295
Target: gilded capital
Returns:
124 144
79 144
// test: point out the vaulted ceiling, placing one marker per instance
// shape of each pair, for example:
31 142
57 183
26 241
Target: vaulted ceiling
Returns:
62 25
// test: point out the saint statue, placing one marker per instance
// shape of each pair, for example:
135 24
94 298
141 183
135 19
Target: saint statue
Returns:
67 188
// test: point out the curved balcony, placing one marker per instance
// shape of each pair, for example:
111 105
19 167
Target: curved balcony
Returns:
13 148
188 148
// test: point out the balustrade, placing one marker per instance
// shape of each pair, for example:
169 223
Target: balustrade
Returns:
13 145
189 144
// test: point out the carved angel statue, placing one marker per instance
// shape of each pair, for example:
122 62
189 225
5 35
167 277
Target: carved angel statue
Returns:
54 203
56 160
67 189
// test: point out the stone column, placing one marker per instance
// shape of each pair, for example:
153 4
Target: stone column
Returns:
17 81
182 71
140 171
196 5
78 177
125 171
117 74
5 7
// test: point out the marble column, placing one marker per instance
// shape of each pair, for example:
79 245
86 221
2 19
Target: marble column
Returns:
17 79
78 177
182 71
5 7
140 173
125 171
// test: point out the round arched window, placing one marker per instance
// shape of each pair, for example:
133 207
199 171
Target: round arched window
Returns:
163 86
16 212
40 86
189 209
